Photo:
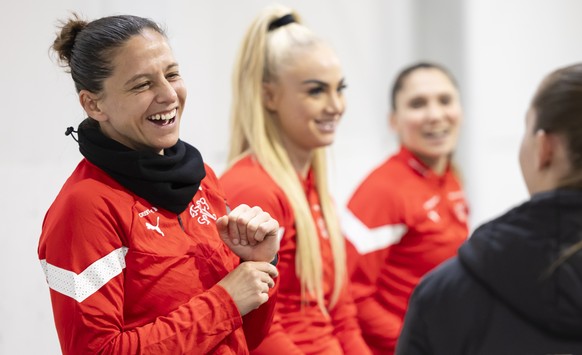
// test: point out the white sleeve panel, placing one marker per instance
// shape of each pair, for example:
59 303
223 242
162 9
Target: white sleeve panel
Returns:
367 240
80 286
280 233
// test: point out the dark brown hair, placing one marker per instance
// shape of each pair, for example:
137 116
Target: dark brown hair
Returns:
87 48
404 73
558 108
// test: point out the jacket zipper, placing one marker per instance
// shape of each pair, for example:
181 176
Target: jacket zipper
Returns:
181 224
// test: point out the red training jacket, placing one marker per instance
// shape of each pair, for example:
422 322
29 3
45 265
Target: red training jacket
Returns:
402 221
296 329
127 277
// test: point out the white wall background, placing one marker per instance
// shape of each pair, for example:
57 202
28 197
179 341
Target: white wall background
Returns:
498 49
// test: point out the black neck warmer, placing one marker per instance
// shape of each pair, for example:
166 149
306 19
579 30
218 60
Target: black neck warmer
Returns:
169 181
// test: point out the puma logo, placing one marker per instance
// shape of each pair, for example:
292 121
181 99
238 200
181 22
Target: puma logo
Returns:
156 227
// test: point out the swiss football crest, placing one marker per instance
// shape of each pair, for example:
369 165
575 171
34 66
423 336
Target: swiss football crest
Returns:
202 211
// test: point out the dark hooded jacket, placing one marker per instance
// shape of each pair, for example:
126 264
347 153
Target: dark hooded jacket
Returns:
505 293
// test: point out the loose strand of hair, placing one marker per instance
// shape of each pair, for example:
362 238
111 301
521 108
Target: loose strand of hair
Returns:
567 254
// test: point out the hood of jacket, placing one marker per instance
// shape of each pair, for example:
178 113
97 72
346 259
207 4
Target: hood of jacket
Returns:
516 258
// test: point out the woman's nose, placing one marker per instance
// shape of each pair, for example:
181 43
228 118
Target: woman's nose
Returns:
435 111
166 92
335 103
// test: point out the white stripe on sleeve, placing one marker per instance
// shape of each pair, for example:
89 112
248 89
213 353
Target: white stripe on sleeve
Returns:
367 240
280 233
80 286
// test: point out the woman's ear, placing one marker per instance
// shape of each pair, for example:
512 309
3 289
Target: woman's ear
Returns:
392 120
270 97
90 103
545 149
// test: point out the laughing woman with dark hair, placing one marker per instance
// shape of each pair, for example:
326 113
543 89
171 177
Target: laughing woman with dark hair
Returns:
138 248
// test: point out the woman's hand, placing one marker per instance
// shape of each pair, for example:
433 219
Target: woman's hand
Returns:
249 284
250 233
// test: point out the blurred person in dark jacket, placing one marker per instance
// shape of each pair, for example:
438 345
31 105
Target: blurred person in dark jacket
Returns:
516 285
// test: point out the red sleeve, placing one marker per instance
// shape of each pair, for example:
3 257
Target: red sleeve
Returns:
262 192
372 225
277 342
259 322
346 328
381 328
256 324
89 310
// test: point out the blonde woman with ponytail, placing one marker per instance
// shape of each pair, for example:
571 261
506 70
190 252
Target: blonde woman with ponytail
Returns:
287 102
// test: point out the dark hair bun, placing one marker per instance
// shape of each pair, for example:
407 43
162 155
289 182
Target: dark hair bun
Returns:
63 44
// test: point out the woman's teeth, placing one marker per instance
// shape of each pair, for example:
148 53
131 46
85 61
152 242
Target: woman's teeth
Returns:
326 125
164 116
439 134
